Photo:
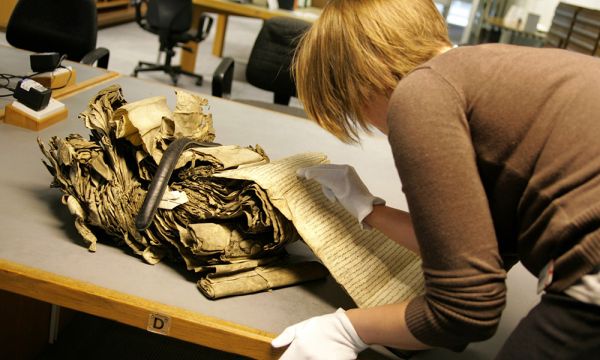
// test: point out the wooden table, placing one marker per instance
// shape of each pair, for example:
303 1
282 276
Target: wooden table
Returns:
16 62
42 256
224 8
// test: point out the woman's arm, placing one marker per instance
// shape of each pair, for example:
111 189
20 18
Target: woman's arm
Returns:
430 137
385 325
395 224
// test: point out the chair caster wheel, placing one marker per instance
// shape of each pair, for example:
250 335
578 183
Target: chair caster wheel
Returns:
199 82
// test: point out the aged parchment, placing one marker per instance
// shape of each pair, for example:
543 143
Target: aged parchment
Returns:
228 212
373 269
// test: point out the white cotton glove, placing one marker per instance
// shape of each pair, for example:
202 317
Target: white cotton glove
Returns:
327 337
342 183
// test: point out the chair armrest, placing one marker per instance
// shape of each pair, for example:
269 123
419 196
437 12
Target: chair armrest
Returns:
204 26
223 78
101 55
139 18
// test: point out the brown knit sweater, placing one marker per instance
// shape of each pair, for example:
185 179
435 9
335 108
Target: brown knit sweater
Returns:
498 150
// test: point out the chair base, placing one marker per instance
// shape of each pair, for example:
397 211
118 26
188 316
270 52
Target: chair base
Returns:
172 71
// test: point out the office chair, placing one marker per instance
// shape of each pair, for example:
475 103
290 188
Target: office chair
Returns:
68 27
269 62
171 20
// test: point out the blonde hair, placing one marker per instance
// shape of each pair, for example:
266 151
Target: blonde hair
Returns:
358 49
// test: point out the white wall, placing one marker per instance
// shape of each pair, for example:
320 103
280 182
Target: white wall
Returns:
545 8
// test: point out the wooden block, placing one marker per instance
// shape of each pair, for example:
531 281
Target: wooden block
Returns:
58 79
16 114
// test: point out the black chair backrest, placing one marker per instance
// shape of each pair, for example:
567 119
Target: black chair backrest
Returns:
271 56
66 26
172 15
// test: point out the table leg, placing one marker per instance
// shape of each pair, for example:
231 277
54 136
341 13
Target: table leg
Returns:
54 324
220 35
188 59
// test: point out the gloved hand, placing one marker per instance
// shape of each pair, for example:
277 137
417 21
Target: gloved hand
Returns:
342 183
327 337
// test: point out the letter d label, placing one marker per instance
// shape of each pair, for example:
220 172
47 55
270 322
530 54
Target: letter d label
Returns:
158 323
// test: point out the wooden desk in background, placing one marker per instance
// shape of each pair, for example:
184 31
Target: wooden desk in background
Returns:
6 8
224 8
110 12
16 62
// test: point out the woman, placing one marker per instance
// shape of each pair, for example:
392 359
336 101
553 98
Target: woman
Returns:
497 149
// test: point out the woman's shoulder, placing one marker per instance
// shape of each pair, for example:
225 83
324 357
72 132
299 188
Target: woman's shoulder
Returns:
484 59
474 68
422 82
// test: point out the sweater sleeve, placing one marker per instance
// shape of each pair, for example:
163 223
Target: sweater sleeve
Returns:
464 276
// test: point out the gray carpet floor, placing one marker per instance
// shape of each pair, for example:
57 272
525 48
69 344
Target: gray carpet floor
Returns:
128 44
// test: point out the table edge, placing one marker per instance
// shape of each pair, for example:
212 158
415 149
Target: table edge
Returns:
135 311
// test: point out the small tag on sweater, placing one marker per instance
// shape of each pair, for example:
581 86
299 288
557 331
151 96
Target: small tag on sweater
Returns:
545 276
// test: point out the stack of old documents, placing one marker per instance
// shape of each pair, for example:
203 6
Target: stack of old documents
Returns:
228 211
227 230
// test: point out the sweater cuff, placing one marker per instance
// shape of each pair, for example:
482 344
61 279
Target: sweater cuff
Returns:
417 322
424 330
